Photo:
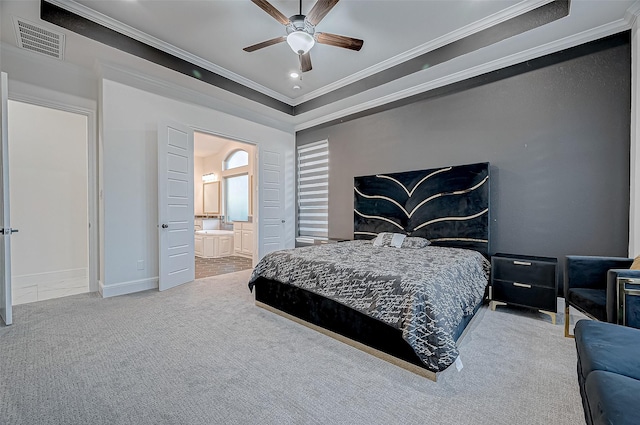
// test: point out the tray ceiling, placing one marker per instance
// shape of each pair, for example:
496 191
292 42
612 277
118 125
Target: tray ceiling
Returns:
211 35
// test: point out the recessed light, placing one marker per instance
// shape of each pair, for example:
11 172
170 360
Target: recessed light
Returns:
294 75
296 87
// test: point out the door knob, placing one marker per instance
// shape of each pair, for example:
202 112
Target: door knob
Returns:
164 226
283 221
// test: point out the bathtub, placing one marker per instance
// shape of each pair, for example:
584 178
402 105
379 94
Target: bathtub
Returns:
215 232
213 243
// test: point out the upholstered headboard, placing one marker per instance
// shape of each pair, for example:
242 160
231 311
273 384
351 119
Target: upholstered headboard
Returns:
449 205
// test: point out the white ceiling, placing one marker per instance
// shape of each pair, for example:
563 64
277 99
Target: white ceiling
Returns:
218 30
212 34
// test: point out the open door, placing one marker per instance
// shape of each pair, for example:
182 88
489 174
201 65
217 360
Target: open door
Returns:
5 245
175 205
272 214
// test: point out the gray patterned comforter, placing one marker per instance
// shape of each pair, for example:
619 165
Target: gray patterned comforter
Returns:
424 292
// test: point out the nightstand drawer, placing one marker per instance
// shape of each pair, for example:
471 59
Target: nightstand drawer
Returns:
540 273
524 294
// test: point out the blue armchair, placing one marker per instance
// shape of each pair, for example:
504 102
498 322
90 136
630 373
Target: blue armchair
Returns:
591 286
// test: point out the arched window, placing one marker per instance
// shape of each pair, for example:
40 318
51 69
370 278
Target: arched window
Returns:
239 158
236 186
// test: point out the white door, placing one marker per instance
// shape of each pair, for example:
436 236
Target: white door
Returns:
175 205
272 220
5 245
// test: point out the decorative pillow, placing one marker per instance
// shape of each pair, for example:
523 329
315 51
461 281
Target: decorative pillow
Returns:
415 242
389 239
636 263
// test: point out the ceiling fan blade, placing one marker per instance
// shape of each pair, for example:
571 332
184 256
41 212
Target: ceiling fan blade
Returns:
320 10
305 62
275 13
339 41
265 44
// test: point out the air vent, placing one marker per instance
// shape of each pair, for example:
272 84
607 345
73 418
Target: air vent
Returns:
37 39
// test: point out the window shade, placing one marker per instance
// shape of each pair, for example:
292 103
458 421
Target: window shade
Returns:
313 190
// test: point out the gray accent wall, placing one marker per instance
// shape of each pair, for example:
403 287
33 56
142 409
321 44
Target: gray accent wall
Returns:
557 137
542 15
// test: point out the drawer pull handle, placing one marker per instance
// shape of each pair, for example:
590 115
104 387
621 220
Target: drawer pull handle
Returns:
522 263
521 285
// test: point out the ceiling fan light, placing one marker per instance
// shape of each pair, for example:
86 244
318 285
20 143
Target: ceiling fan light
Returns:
300 42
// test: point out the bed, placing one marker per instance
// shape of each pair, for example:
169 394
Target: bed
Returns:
406 304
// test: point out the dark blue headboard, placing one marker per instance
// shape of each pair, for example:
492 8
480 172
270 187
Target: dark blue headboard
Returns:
449 205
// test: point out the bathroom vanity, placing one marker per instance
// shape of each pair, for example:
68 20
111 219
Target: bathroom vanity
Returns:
243 238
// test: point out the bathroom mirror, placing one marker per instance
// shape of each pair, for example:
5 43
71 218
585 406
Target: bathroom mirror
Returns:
211 195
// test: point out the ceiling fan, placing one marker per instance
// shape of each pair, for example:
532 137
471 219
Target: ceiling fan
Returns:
301 31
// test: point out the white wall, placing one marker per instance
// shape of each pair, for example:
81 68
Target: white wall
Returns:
212 164
118 247
49 73
129 175
198 171
49 200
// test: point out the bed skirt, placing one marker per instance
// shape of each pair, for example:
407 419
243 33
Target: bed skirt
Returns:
342 320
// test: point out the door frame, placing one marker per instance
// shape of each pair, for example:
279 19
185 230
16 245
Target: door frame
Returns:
256 193
26 93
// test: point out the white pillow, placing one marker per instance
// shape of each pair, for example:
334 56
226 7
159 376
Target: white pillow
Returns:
389 239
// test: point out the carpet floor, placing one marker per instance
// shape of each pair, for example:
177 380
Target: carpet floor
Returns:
203 353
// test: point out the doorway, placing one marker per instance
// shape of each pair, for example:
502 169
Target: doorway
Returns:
223 205
49 198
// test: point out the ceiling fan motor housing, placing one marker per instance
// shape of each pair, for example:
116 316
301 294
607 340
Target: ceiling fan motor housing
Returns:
300 23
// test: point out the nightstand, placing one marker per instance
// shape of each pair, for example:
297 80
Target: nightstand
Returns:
525 281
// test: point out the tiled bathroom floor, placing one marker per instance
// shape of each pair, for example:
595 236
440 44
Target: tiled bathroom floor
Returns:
206 267
23 293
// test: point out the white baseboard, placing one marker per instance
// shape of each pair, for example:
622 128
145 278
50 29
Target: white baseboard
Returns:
123 288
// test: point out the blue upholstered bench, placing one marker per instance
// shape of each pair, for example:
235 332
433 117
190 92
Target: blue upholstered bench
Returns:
608 372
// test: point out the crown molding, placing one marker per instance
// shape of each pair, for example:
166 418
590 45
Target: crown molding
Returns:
632 13
488 22
108 22
163 87
143 37
555 46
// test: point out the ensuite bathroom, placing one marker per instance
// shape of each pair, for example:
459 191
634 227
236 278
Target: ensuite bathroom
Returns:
223 205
